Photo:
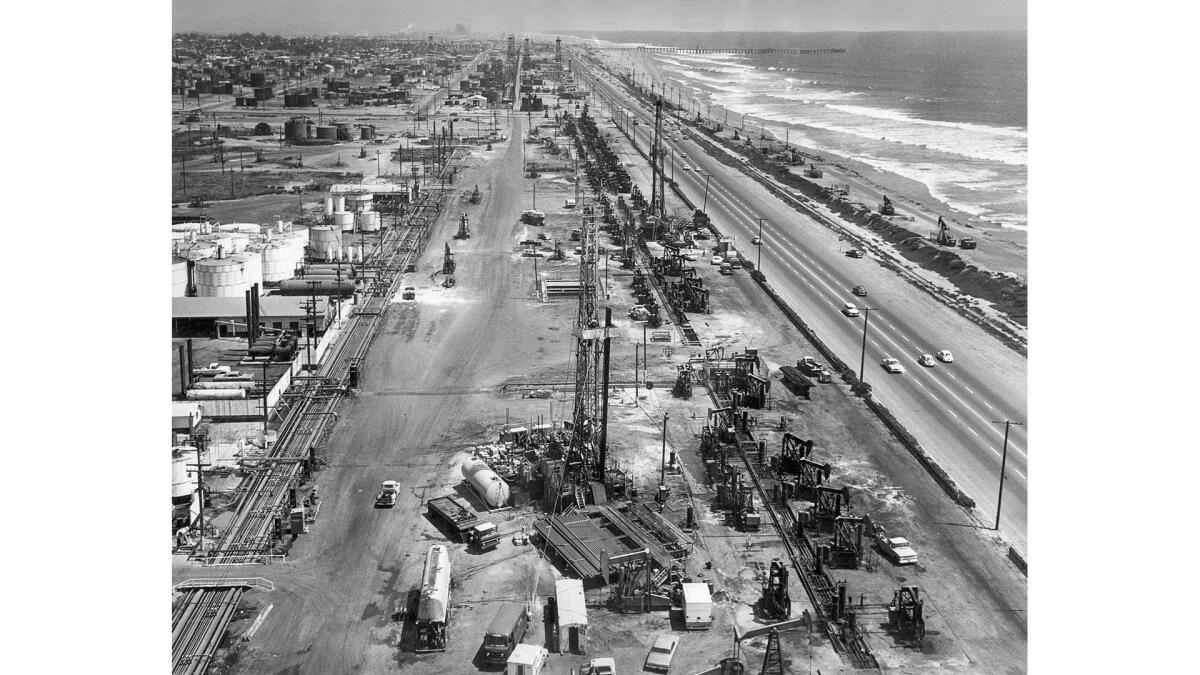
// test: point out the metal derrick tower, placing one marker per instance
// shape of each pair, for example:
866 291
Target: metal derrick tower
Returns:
590 333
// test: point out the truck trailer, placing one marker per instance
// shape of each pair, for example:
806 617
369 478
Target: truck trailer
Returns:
433 614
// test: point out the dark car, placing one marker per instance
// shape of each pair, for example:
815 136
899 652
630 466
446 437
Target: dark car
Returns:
860 291
854 253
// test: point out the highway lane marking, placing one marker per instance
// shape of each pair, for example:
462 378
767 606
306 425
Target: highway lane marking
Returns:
973 431
972 392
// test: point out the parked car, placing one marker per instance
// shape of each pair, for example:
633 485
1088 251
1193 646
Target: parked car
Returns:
854 253
849 309
687 167
689 256
898 550
860 291
945 356
410 293
717 260
892 365
757 241
926 360
387 494
662 652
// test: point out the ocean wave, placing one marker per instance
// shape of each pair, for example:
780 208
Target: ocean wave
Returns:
942 181
898 116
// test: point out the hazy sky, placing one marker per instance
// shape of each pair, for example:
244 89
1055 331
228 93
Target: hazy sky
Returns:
389 16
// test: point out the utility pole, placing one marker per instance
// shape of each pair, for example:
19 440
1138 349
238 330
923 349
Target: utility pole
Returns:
863 361
704 207
1003 461
758 265
636 379
662 475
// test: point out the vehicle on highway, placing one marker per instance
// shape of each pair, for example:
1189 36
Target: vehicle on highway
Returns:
662 652
849 309
860 291
892 365
717 260
926 360
854 253
726 268
945 356
687 167
757 241
388 492
898 550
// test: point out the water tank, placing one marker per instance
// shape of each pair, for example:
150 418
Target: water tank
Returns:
179 278
360 201
491 487
183 479
328 205
339 203
367 133
343 220
327 132
321 239
198 251
215 394
221 277
368 221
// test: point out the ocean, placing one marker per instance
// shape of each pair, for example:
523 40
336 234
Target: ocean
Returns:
945 109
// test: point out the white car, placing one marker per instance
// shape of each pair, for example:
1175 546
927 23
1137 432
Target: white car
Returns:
756 241
945 356
849 309
689 257
687 167
926 360
892 365
662 652
717 260
898 550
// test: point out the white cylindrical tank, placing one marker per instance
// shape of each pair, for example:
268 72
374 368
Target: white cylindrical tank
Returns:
179 278
221 278
279 260
491 487
245 228
198 251
329 205
252 272
359 201
183 479
339 203
368 221
215 394
322 239
224 384
238 241
344 221
221 241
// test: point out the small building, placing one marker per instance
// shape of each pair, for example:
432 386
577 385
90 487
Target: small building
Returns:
697 607
185 416
527 660
226 317
475 101
572 621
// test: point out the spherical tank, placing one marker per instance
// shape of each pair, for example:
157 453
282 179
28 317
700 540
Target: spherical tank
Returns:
491 487
321 239
220 278
179 278
183 479
344 221
368 221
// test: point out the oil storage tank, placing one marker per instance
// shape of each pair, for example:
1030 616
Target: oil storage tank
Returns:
433 612
221 278
359 201
322 240
317 286
179 278
490 487
343 221
183 479
368 221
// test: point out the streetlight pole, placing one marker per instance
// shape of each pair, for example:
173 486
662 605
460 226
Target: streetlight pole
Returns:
636 381
863 361
1003 461
758 265
662 474
704 207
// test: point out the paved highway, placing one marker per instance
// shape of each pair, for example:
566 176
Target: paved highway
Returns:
950 408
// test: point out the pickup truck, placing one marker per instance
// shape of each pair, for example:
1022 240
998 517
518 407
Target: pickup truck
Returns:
409 293
388 492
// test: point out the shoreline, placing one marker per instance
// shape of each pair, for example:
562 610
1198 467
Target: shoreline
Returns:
1001 249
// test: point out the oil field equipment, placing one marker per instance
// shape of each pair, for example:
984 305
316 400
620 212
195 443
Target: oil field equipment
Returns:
944 237
475 196
464 229
886 208
448 263
433 612
813 172
776 604
906 615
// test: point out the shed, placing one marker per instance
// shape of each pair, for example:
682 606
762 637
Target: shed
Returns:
572 615
697 606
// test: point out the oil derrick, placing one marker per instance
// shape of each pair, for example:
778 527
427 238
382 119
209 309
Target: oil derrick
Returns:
657 184
773 659
448 263
589 338
776 603
464 230
683 383
886 208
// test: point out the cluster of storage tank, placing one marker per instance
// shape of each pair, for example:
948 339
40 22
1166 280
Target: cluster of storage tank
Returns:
304 129
228 259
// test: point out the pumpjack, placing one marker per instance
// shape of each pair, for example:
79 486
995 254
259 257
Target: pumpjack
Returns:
886 208
464 230
906 615
448 263
475 196
776 604
943 236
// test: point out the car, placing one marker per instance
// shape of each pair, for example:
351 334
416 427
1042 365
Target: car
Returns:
388 492
756 241
854 253
945 356
717 260
926 360
860 291
726 268
898 550
892 365
662 652
409 293
687 167
849 309
689 256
